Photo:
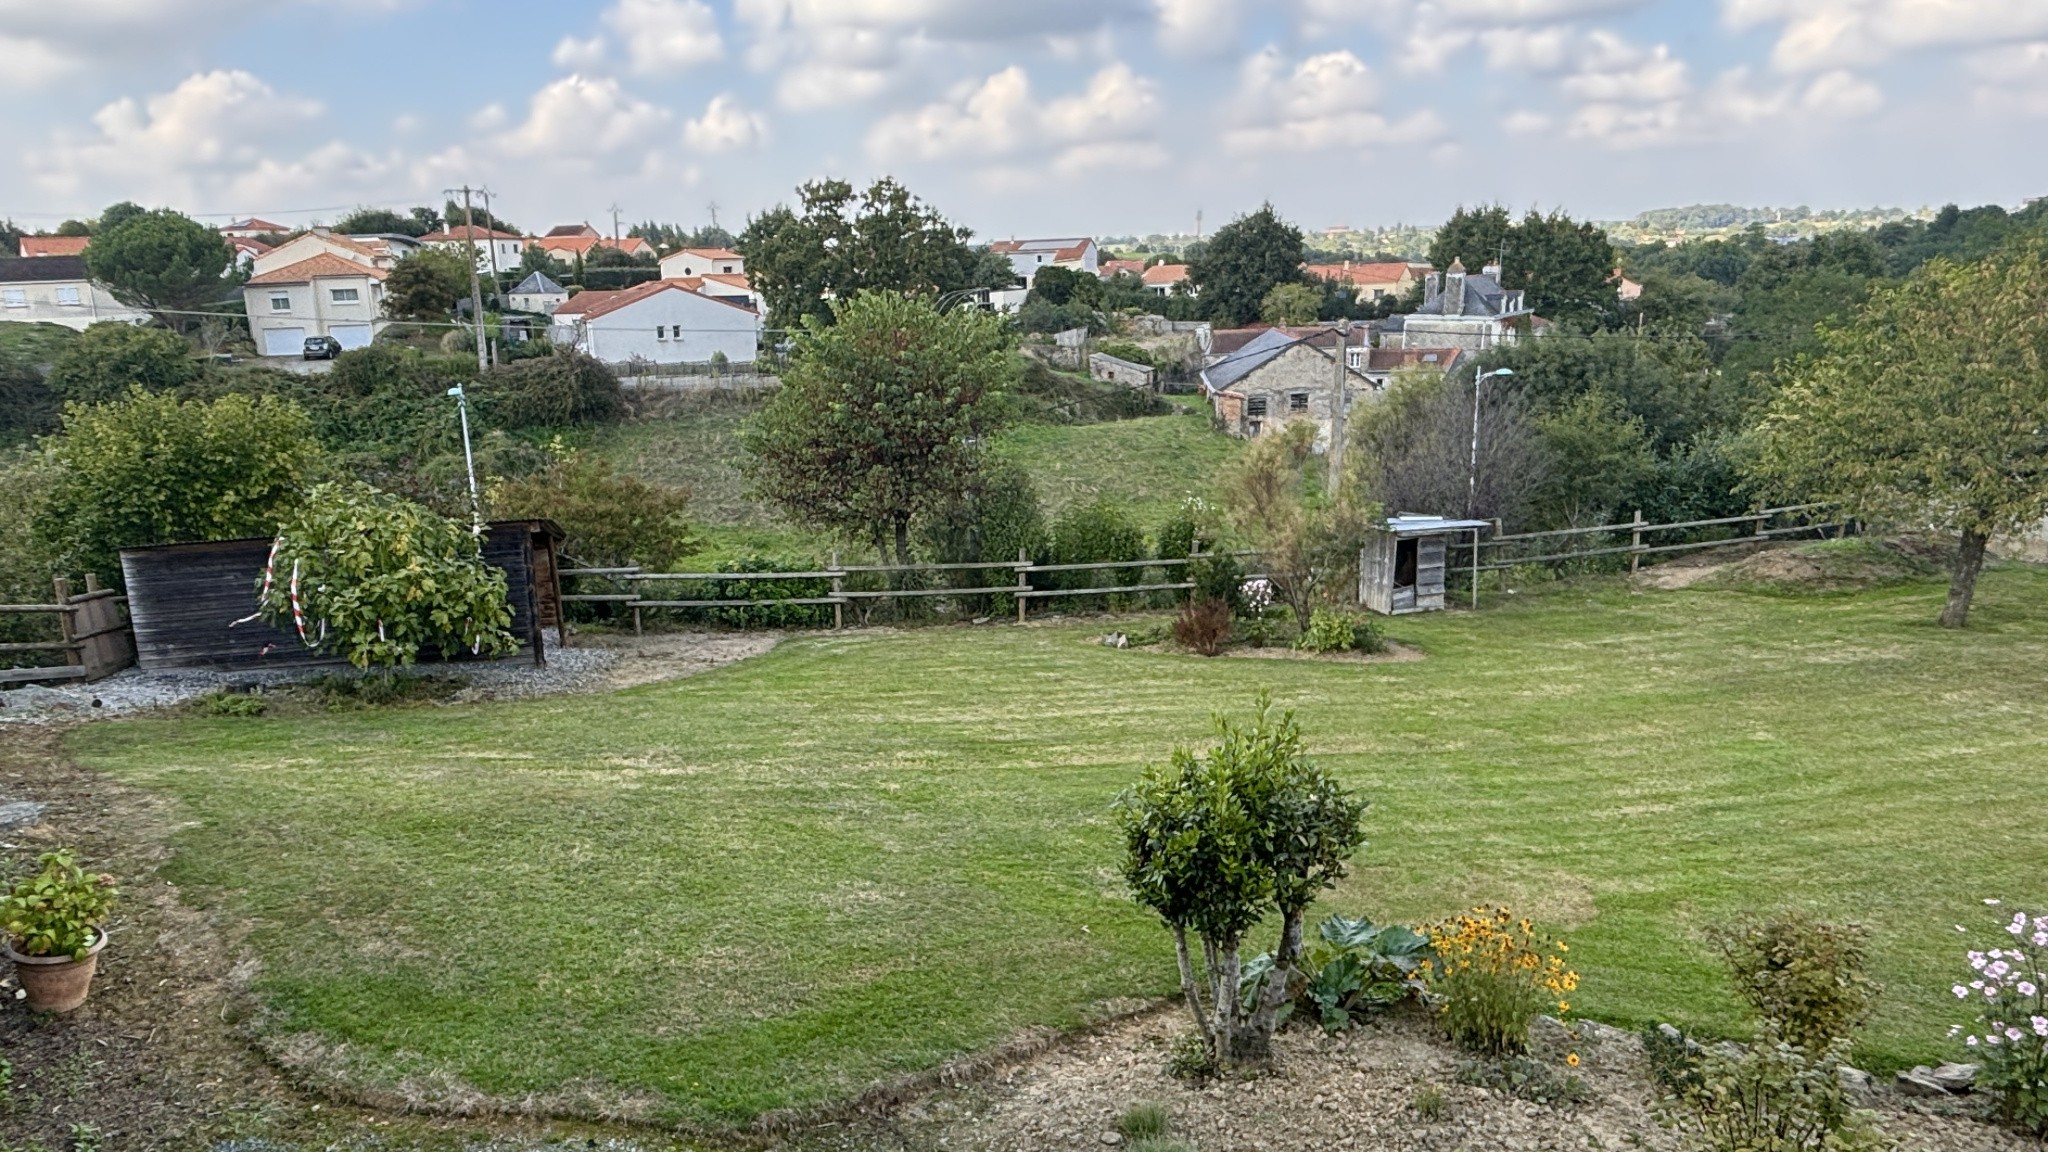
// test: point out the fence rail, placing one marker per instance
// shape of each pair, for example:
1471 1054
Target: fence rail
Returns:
94 636
1764 522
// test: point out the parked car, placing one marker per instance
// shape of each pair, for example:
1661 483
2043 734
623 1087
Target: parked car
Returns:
322 347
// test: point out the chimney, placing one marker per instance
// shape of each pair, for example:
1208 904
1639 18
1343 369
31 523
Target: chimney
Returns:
1492 271
1454 289
1432 287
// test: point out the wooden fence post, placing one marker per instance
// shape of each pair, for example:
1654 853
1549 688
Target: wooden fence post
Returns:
838 590
1023 583
1635 544
73 655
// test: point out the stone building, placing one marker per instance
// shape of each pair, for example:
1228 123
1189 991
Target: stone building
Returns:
1465 311
1279 378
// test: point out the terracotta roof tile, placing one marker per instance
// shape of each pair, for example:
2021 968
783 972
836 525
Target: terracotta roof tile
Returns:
462 233
1166 273
54 245
326 265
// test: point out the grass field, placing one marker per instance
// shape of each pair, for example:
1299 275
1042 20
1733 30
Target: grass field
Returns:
1149 465
861 854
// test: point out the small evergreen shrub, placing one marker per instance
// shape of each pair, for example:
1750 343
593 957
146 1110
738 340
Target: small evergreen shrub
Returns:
1806 978
1366 635
1328 631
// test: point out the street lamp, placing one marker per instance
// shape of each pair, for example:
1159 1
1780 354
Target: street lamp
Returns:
1472 483
476 511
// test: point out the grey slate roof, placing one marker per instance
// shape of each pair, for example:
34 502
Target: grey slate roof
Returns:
41 269
1483 297
538 284
1256 353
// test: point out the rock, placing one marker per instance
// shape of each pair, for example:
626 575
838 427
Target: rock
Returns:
1117 640
1111 1138
1550 1037
1920 1081
1855 1079
20 813
1954 1077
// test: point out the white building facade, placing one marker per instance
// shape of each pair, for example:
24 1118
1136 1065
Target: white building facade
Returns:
56 290
321 296
659 322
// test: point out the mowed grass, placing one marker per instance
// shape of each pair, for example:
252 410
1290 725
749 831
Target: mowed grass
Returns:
1149 466
775 884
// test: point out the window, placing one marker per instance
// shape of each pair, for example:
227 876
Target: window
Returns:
344 295
1256 406
1252 427
660 332
1354 357
68 297
280 303
14 297
727 269
1297 401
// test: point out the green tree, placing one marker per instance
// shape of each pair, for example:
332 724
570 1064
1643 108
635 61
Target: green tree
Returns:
1786 291
1063 286
381 578
837 244
154 469
108 359
1565 267
1291 304
74 228
117 214
454 214
426 285
1928 407
163 262
1308 542
1242 262
610 519
1596 455
366 221
880 416
1669 384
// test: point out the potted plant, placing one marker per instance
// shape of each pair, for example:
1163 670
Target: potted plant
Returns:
51 926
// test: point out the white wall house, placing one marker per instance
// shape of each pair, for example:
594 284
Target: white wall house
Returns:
324 295
661 322
539 294
505 247
1078 253
732 289
321 242
56 290
702 262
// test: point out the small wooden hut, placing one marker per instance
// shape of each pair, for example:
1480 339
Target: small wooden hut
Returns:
185 599
1403 565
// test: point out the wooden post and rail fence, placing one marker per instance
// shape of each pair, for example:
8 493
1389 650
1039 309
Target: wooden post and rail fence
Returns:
1498 553
93 634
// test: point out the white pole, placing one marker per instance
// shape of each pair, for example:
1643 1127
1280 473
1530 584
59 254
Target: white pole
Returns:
1472 481
476 510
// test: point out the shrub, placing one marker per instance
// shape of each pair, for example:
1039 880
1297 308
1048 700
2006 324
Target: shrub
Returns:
995 519
1491 976
1190 1058
610 520
1123 350
376 579
1771 1097
152 469
1366 635
1328 631
1146 1121
1216 843
108 359
2009 1038
1806 978
557 391
58 910
1203 627
1356 966
1218 576
238 704
1524 1078
1097 533
1431 1104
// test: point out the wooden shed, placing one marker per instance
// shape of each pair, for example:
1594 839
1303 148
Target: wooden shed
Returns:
184 599
1403 565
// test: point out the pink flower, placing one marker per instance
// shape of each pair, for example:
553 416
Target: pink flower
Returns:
2026 988
2040 939
1970 1041
2040 1025
1962 993
2014 1034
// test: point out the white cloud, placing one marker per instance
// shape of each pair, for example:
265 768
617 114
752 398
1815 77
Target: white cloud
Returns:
584 117
1198 27
2021 83
1524 122
725 126
1841 93
1108 121
1326 101
665 36
1427 33
48 39
1823 34
1612 70
579 55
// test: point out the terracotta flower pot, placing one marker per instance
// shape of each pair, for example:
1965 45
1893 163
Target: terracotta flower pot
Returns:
56 984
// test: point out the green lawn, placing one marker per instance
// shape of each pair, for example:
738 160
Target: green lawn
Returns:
861 854
1149 465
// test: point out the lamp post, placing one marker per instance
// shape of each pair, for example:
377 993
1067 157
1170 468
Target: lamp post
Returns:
476 510
1472 482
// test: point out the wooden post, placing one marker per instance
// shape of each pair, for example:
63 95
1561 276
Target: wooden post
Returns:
73 655
1635 544
1759 526
1475 568
636 620
838 590
1023 583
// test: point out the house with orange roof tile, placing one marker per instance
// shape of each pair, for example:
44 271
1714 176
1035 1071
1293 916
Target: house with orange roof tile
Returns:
702 262
659 322
301 290
253 228
1369 282
566 242
54 245
1161 278
494 248
1077 253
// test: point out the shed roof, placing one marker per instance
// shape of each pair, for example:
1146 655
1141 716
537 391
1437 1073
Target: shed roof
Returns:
1408 524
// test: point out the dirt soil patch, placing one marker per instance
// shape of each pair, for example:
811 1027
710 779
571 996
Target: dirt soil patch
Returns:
1394 654
1355 1090
1807 566
657 656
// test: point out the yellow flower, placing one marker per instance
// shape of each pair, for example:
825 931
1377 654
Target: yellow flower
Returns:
1572 1059
1563 1006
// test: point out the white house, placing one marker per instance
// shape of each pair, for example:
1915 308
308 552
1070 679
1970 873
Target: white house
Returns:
660 321
1078 253
732 289
1161 278
702 262
322 295
320 242
1469 312
252 229
537 293
503 248
56 290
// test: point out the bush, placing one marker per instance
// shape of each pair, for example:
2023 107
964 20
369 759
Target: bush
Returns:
1524 1078
1203 627
376 579
1771 1097
2009 1038
1366 635
387 400
1218 576
996 518
58 910
1491 976
610 520
153 469
558 391
760 615
108 359
1097 533
1355 966
1123 350
1328 631
1806 978
1145 1121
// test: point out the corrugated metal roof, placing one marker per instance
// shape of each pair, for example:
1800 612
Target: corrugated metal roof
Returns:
1408 524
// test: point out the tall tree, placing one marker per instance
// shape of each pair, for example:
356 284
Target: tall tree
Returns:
879 415
1566 267
1928 407
1242 262
838 243
108 359
365 221
161 261
426 285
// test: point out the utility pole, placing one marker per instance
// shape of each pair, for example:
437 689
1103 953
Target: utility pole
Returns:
491 243
476 294
1337 408
615 225
714 213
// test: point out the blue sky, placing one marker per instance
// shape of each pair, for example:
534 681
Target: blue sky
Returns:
1018 118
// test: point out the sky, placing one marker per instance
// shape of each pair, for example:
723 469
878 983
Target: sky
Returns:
1019 117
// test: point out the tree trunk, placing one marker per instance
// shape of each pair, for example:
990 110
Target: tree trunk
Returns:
1254 1042
1190 989
1962 584
902 540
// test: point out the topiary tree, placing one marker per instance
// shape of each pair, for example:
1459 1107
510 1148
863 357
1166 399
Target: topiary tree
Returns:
108 359
377 579
154 469
1215 843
